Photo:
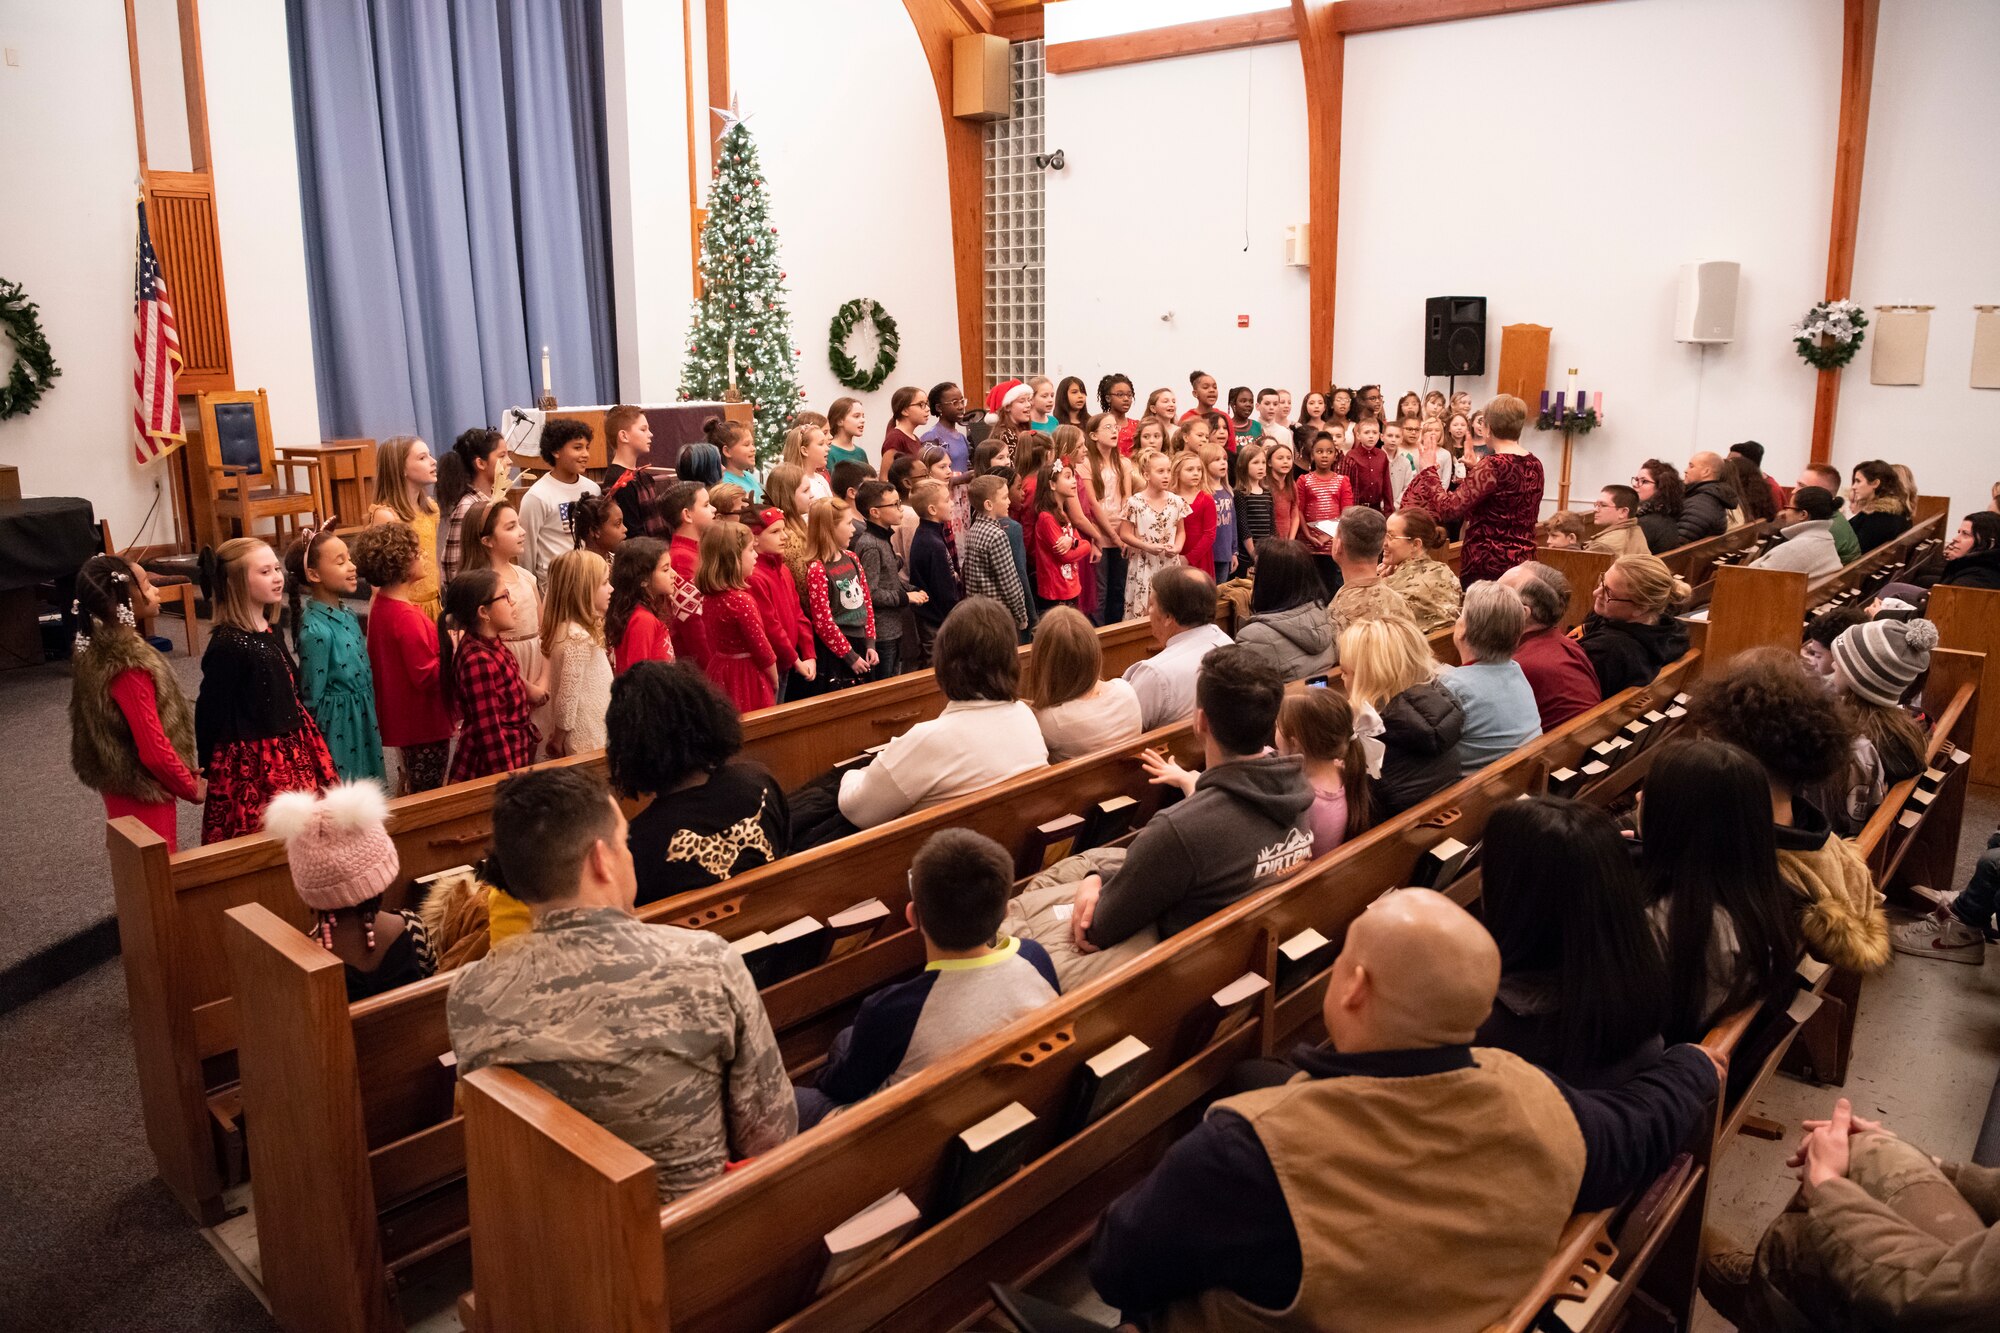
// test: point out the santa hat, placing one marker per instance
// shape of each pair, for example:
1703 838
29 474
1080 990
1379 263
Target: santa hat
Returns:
341 855
1004 394
759 519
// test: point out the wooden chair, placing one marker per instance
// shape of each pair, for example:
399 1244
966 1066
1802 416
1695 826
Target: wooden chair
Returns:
177 589
247 481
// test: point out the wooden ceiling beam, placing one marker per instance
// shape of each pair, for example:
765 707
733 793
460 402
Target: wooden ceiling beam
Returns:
939 23
1857 83
1180 39
1323 51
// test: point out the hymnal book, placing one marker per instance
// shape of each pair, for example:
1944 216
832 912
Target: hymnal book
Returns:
1106 1081
855 926
1655 716
1959 756
1932 779
1811 969
1058 837
1225 1011
1299 956
449 872
1677 710
1802 1006
1619 745
1564 782
1909 819
1636 729
773 955
866 1237
1111 818
1605 750
1596 768
1921 797
1683 698
1441 864
983 1156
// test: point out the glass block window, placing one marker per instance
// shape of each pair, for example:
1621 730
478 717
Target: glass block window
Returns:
1014 295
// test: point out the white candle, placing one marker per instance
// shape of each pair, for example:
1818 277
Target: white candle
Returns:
732 361
548 387
1572 388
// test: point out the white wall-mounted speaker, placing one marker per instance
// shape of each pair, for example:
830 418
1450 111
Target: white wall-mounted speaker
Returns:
1298 245
1705 311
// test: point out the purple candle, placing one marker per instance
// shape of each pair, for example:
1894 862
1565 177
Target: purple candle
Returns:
1545 402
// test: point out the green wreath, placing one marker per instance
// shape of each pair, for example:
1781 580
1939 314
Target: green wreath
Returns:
1830 334
886 345
34 367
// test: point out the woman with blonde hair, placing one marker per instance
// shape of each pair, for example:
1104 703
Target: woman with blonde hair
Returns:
1389 671
579 668
404 471
1079 713
1630 632
1410 567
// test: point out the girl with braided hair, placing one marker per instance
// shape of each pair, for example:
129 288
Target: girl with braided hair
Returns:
131 726
335 682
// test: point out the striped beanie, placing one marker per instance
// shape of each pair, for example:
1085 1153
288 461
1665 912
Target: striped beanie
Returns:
1882 658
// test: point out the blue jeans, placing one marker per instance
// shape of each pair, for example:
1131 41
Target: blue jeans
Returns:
1981 898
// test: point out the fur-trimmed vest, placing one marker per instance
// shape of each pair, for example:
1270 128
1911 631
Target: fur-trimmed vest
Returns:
1841 917
101 748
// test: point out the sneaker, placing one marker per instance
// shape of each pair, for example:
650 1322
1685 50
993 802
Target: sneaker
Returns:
1727 1272
1944 899
1940 935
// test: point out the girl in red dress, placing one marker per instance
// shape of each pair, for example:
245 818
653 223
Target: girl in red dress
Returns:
1198 532
1061 554
642 585
131 728
483 682
253 736
741 660
1322 495
1280 477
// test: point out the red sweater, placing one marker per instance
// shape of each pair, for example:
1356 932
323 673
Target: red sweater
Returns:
690 639
403 657
1198 533
784 615
1060 555
645 640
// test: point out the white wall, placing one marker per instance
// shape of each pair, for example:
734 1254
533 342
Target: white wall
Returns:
1617 142
1151 217
647 162
846 121
1930 198
67 234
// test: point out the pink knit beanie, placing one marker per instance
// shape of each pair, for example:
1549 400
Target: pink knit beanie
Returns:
340 853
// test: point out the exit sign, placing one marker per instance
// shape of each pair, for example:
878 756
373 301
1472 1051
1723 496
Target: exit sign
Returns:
1243 321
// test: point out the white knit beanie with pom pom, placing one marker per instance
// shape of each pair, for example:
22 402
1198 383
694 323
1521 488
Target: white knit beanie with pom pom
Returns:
340 852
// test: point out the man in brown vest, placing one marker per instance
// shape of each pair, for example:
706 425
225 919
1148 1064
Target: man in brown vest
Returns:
1404 1179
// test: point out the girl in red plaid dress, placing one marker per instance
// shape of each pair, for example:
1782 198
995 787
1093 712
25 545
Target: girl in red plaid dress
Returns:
741 660
483 681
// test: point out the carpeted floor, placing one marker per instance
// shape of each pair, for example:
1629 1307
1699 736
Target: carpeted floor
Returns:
59 881
91 1240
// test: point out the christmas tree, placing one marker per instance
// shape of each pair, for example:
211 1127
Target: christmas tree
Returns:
742 333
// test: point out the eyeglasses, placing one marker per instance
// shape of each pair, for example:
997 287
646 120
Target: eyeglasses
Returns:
1604 591
504 595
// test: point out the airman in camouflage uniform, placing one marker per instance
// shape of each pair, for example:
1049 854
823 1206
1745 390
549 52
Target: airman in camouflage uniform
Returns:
654 1032
1373 600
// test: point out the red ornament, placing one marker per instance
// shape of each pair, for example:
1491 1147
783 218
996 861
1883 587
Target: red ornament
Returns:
737 197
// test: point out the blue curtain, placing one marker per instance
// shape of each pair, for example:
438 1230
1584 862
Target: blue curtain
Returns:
452 172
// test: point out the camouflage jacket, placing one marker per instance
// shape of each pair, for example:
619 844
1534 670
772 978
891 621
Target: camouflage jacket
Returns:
654 1032
1373 601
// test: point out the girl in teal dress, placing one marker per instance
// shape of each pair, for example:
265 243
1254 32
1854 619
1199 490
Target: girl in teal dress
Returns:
335 683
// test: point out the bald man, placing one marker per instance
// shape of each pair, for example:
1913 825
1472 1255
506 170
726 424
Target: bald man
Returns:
1404 1179
1710 497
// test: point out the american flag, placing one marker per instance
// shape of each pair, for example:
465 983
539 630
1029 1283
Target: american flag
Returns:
156 410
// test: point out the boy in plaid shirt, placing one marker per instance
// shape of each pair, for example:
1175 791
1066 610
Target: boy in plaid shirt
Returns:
987 554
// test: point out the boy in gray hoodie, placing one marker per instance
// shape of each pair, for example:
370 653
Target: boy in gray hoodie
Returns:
1242 825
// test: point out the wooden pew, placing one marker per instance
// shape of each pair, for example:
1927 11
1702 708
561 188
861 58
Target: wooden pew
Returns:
398 1187
778 1206
1663 1266
170 908
1969 619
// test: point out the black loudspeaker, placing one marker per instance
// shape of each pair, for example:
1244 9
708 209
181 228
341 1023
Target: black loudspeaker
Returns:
1455 335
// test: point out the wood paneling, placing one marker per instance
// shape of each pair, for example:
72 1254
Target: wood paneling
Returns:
1969 619
180 206
1381 15
715 26
938 24
1181 39
1323 51
1857 81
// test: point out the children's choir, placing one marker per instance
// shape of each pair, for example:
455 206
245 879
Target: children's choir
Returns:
495 625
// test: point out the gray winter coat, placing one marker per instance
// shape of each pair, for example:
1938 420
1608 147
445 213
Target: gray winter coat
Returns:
1298 642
